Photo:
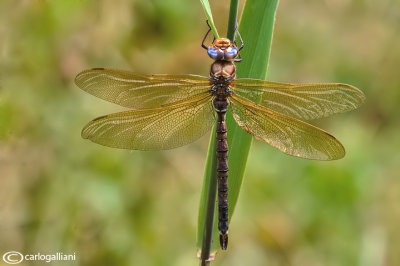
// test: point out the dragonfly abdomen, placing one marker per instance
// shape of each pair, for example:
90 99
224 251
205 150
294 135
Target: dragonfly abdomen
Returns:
222 73
221 105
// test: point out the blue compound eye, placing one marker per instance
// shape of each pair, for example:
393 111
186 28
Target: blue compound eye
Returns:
214 53
230 53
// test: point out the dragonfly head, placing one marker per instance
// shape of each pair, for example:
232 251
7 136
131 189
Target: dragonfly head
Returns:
222 49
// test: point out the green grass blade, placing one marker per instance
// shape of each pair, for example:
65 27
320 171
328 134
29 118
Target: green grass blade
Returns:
256 28
232 19
209 194
206 218
209 190
207 10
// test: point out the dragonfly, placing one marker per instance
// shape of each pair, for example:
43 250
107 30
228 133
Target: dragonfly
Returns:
169 111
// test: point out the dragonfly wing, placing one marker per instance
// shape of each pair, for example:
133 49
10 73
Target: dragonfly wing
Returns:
140 91
302 101
160 128
287 134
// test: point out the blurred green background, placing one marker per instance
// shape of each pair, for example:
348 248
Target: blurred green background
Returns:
59 193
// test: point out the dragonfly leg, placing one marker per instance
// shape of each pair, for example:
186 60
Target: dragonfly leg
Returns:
205 37
239 59
234 37
240 37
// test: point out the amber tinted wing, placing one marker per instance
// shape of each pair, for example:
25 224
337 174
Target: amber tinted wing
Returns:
161 128
287 134
303 101
140 91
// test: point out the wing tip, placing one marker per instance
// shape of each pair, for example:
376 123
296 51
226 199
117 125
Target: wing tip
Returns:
360 93
84 133
83 72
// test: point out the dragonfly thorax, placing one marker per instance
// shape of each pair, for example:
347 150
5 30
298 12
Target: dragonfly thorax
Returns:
223 69
222 74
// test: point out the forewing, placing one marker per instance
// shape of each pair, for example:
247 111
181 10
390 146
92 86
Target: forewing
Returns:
154 129
302 101
287 134
140 91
